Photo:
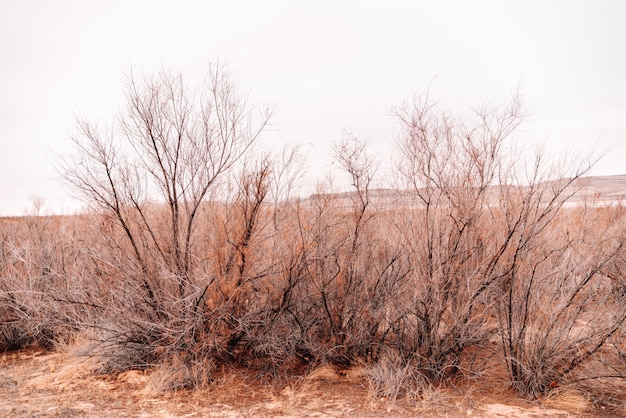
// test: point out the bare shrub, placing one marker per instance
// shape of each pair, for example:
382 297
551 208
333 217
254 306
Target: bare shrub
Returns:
556 312
340 279
35 255
494 249
452 169
147 179
351 270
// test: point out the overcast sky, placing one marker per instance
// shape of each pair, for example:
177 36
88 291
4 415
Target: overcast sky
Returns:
327 65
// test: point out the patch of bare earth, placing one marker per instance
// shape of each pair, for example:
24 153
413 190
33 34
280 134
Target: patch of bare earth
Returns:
35 383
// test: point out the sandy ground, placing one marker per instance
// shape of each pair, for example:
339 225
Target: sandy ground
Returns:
40 384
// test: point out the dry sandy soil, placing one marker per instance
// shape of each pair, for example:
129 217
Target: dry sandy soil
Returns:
40 384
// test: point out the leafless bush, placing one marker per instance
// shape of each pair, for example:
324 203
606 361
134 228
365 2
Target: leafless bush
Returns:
557 312
341 275
452 169
350 272
148 178
487 240
35 254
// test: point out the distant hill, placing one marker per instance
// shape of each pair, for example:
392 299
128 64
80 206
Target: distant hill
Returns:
601 189
598 190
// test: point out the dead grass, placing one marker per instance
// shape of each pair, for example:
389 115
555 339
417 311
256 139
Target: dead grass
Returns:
325 373
36 383
570 400
179 373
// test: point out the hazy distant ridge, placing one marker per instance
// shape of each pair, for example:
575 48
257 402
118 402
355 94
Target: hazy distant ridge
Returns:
602 190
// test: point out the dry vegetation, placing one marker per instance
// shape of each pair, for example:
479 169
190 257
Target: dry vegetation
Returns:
195 257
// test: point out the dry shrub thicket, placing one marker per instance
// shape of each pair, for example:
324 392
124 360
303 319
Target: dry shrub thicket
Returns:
195 254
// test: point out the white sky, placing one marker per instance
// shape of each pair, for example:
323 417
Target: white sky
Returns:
327 65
